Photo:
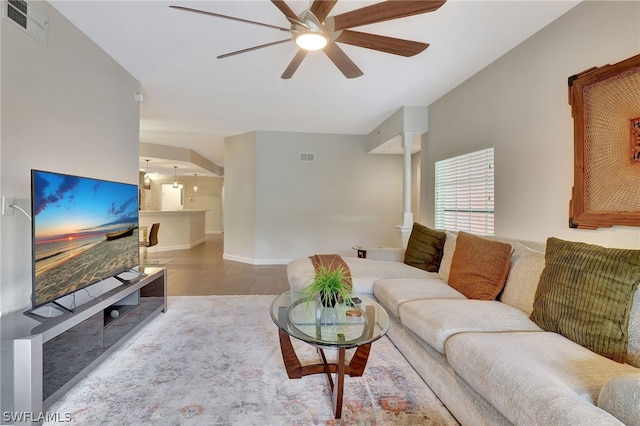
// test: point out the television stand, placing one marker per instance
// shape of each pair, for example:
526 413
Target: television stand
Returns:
51 357
130 280
50 310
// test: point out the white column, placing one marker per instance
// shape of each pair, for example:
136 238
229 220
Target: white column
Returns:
407 215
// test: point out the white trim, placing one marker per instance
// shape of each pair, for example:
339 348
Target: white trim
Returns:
252 261
248 260
272 261
179 247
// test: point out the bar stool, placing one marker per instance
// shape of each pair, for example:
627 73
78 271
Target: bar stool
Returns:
152 241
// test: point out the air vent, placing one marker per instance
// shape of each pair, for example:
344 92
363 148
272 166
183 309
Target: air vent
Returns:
308 156
28 18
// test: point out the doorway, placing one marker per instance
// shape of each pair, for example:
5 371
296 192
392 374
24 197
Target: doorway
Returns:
172 197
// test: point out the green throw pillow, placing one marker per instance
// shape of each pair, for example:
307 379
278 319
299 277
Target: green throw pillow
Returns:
585 293
424 249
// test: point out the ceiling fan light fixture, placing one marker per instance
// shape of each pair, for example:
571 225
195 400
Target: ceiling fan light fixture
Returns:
311 40
314 29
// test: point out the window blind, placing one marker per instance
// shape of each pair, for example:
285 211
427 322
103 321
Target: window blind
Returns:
464 192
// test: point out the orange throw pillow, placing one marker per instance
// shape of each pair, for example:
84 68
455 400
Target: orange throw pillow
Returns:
479 267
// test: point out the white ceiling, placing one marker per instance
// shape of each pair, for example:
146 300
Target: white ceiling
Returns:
193 100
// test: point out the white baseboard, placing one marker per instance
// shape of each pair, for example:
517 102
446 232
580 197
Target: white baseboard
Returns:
181 246
252 261
272 261
238 258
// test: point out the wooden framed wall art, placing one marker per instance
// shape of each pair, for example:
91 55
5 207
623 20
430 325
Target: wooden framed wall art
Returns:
605 105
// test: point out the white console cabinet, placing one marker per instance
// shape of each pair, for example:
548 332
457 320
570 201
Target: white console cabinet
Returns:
50 357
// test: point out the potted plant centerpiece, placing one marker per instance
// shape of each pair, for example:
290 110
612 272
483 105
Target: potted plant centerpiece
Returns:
331 284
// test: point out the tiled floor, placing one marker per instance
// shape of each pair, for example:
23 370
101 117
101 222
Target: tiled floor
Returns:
202 271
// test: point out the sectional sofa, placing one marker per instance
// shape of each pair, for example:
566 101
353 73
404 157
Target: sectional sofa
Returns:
546 334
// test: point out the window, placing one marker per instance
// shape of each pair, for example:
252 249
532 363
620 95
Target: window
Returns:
464 192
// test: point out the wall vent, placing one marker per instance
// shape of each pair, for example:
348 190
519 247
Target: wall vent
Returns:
308 156
28 18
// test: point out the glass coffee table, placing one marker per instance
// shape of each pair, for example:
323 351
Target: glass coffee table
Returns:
340 328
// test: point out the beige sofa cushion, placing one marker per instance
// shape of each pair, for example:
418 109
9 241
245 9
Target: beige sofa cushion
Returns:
435 320
392 293
526 266
620 396
535 375
633 350
447 256
364 272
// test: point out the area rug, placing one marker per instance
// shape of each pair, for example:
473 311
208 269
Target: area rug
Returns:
215 360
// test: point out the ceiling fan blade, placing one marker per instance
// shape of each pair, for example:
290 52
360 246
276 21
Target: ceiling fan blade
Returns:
385 11
294 64
249 49
284 8
395 46
217 15
342 61
322 8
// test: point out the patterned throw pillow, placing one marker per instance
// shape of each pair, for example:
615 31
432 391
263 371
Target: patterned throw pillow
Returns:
585 293
479 267
424 249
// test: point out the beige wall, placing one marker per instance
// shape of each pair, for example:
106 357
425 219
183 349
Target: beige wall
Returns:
240 197
66 107
5 401
346 196
519 104
209 198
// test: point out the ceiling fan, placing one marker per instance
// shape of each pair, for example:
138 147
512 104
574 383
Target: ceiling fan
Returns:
313 29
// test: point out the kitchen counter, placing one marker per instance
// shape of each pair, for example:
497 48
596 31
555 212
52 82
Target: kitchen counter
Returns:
179 229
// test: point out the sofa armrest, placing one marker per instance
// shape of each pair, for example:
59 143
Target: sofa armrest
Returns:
620 397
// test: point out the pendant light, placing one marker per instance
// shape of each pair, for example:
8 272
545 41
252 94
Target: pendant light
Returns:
175 178
147 178
195 182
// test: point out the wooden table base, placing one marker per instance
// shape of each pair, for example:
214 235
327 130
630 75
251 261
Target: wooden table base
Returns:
296 370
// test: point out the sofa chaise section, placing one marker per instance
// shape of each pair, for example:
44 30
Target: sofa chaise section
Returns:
489 361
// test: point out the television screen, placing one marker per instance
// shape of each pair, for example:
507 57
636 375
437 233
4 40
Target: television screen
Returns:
84 231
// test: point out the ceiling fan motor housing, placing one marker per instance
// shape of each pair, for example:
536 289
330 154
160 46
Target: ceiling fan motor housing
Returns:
309 33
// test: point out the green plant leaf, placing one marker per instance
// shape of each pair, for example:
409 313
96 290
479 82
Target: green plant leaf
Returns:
333 282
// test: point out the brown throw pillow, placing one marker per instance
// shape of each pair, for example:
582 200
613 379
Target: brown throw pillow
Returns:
424 249
479 267
585 293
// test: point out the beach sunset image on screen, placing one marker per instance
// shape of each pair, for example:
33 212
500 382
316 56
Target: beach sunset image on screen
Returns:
84 231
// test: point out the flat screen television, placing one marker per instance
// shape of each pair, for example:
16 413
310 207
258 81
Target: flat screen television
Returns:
84 231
